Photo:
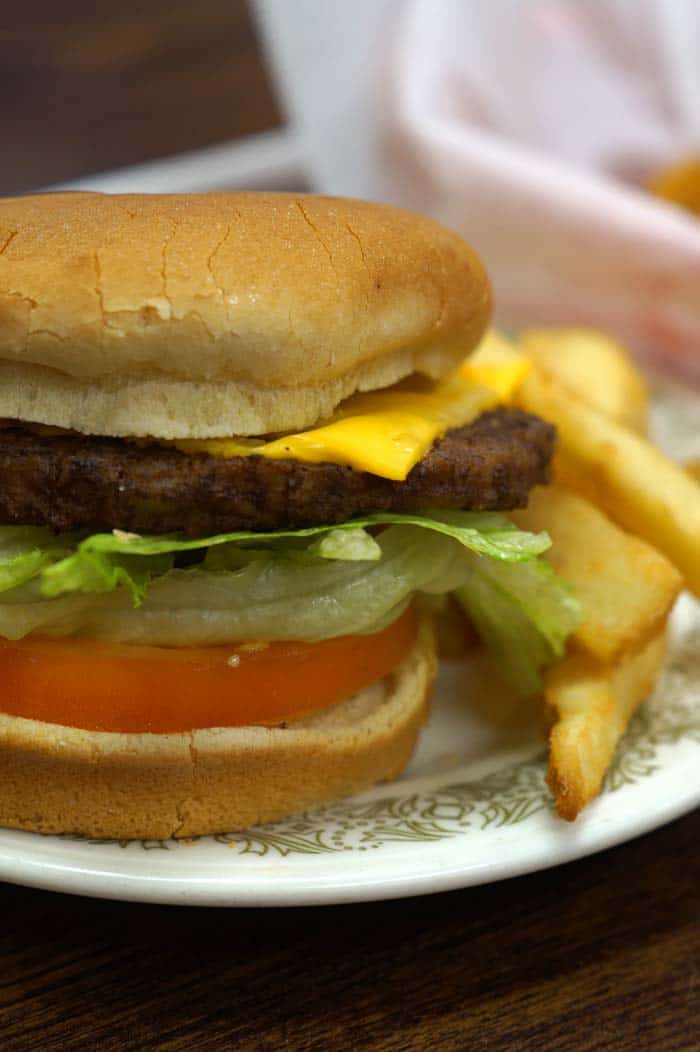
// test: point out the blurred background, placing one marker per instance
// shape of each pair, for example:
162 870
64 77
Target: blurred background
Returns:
93 85
561 137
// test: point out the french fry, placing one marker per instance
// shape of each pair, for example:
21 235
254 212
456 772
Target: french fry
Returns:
496 349
693 469
679 183
591 705
594 368
622 473
626 587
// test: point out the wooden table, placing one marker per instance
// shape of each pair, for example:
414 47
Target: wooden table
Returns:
88 85
600 954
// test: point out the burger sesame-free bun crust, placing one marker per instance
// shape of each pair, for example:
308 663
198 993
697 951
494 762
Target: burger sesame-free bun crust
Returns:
196 315
56 779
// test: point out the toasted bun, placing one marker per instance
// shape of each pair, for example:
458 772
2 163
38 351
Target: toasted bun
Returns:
57 779
197 315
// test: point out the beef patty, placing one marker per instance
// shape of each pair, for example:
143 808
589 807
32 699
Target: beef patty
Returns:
89 482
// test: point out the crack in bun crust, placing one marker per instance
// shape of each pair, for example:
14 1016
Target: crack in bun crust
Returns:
196 315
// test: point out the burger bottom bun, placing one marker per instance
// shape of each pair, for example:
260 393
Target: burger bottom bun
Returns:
56 779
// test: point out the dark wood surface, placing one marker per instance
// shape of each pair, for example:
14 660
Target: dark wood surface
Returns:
87 85
600 954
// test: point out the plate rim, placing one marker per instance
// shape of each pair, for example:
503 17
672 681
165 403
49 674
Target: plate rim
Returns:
553 845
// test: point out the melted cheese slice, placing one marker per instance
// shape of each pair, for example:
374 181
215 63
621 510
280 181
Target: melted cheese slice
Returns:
385 433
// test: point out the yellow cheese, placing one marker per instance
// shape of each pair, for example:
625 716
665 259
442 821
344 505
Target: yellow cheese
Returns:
385 433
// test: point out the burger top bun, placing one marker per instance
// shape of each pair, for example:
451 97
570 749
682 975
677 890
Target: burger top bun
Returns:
200 315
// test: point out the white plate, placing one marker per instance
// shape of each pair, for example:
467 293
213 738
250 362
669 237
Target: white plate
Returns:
472 807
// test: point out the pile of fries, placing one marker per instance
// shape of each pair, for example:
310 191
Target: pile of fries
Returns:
625 527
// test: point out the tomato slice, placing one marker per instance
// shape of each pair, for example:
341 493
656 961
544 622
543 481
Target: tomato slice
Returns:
133 689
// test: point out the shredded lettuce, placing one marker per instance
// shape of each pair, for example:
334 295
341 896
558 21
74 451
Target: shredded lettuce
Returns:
308 584
103 562
347 545
26 551
241 594
524 612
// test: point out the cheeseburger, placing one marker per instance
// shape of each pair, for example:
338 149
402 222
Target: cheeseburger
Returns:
242 441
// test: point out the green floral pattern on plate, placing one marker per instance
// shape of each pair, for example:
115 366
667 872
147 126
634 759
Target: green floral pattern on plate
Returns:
513 794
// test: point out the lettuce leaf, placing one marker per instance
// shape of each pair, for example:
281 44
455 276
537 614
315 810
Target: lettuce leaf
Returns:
105 561
241 594
524 612
307 584
26 551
